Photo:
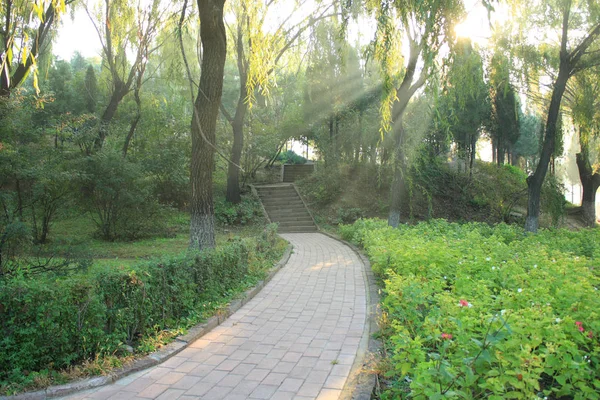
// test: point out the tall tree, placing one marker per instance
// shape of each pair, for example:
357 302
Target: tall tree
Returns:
585 107
257 53
124 28
204 120
425 25
504 129
468 97
578 25
25 30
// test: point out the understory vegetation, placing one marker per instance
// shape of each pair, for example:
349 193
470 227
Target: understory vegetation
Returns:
479 311
435 189
58 326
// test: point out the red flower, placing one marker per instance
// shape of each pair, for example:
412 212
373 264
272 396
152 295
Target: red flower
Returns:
463 303
579 326
446 336
590 334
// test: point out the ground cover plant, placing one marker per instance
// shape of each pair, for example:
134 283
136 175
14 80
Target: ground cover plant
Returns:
479 311
52 322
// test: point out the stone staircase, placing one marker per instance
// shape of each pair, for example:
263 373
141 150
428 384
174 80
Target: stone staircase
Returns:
295 172
284 206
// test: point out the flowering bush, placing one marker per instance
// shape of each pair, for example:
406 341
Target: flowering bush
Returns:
475 311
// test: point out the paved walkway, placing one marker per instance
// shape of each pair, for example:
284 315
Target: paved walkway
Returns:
297 339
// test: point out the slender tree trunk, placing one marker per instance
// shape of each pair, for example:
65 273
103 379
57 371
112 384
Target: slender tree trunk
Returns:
397 188
535 181
233 170
237 124
204 121
590 181
134 122
403 94
108 115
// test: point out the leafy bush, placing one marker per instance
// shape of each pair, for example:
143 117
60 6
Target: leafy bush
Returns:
289 157
119 199
55 321
322 186
349 215
244 213
475 311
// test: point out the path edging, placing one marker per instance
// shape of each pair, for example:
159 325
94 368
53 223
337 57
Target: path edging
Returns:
180 342
361 381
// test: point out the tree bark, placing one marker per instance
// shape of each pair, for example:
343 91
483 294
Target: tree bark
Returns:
204 121
109 113
237 125
590 181
136 117
403 94
535 181
397 188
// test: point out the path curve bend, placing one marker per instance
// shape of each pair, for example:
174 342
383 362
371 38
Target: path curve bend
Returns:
297 339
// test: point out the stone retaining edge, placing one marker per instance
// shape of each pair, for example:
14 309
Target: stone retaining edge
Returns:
361 381
159 356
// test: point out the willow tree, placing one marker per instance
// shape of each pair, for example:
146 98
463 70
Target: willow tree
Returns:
585 106
258 50
25 29
127 33
468 96
204 120
425 26
504 121
577 25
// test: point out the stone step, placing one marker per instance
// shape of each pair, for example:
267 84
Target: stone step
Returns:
299 219
284 206
283 203
292 226
298 230
291 195
285 211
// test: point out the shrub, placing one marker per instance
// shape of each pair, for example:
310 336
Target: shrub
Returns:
289 157
244 213
54 321
475 311
119 199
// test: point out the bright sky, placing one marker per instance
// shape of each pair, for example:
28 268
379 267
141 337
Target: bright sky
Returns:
77 34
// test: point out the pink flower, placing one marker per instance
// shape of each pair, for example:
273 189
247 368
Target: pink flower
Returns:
463 303
579 326
446 336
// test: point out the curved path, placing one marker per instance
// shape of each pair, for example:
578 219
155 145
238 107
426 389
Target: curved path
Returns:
297 339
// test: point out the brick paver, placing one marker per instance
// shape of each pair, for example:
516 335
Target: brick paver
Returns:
297 339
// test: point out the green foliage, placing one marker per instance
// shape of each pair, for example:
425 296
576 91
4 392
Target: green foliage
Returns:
246 212
118 197
54 322
479 311
289 157
322 186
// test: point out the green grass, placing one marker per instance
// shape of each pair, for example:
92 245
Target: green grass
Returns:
75 235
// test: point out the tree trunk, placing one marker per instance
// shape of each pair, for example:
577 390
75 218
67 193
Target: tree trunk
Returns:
108 115
204 121
233 170
397 188
590 182
237 125
535 181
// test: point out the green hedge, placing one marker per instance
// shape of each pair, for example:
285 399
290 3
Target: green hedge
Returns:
475 311
51 323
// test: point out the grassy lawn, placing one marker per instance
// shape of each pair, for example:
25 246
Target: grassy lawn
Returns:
76 235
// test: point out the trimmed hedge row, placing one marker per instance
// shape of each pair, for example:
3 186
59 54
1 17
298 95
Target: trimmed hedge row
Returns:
52 323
